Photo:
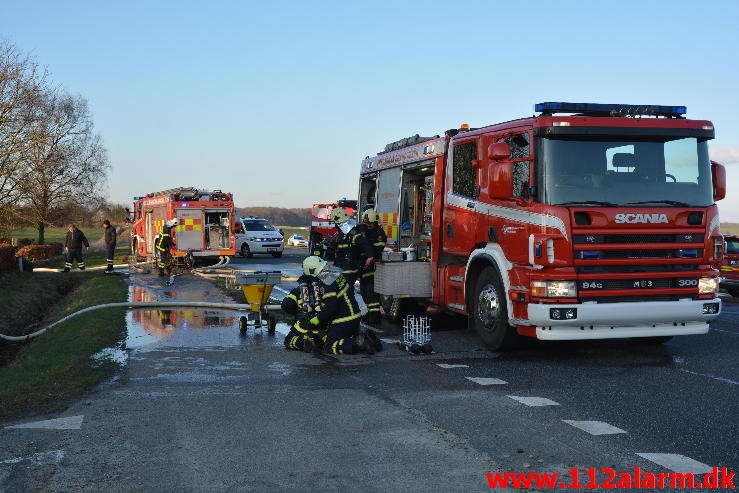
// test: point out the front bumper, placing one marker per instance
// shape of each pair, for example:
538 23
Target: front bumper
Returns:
620 320
264 247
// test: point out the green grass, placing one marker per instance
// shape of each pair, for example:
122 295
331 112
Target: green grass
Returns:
56 366
54 235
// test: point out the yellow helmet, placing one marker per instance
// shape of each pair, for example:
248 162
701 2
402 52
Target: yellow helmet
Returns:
313 266
370 216
339 215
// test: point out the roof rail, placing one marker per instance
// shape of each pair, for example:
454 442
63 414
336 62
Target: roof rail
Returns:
624 110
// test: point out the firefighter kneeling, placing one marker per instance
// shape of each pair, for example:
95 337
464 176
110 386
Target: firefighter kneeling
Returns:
327 313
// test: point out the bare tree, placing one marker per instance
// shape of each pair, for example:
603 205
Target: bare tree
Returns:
67 162
21 89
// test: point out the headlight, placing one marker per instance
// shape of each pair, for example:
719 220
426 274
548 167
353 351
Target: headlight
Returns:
708 285
554 289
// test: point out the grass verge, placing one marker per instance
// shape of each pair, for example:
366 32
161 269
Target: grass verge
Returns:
46 372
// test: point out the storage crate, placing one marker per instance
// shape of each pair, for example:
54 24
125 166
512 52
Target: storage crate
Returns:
411 279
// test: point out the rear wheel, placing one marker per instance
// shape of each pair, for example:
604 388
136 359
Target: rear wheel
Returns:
489 312
397 308
245 252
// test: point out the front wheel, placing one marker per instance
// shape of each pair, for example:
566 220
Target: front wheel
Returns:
277 254
245 252
489 312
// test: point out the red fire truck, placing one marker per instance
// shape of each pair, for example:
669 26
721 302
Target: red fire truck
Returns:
205 224
586 221
321 226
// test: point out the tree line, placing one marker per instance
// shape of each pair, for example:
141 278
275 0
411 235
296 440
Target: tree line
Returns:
278 216
52 163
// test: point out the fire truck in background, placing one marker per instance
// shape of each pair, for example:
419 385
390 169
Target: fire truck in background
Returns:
321 227
205 224
586 221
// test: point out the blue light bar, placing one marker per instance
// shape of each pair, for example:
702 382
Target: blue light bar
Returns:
596 109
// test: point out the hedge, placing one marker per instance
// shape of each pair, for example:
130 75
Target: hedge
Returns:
7 258
36 253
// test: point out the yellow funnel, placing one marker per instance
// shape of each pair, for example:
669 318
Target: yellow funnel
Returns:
257 294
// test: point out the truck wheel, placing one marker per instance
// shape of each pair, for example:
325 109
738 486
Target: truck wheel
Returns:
489 312
734 292
245 252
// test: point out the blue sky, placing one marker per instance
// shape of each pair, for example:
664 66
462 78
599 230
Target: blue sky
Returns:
278 102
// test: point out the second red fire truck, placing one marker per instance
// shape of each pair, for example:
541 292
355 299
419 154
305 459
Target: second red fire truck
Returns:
204 229
586 221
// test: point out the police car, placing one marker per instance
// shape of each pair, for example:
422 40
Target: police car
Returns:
257 235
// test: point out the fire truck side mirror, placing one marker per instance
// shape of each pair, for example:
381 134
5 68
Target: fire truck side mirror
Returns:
501 181
718 174
499 151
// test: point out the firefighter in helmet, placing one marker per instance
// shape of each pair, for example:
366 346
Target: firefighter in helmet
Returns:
303 302
377 239
337 311
353 252
163 245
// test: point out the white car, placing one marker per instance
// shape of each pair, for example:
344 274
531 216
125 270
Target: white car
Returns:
257 235
298 241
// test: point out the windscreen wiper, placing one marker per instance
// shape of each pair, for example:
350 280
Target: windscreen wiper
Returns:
668 202
588 202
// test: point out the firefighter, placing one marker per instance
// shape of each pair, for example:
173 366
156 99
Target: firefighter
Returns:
163 245
73 245
302 302
353 252
377 239
338 311
110 239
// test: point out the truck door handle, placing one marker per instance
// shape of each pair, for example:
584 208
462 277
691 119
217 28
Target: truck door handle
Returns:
449 230
471 204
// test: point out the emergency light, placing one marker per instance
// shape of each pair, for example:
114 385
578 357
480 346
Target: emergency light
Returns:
596 109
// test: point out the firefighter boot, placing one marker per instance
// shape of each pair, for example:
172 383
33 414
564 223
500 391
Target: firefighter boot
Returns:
362 345
308 344
373 340
161 272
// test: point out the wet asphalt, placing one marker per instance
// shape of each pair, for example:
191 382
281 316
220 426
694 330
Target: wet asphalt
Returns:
197 406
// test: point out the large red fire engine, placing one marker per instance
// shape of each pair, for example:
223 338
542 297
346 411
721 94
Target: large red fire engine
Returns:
205 223
586 221
321 226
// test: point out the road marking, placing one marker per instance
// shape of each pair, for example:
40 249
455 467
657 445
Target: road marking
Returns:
52 456
725 331
487 381
677 463
68 423
446 366
389 341
720 379
595 427
534 401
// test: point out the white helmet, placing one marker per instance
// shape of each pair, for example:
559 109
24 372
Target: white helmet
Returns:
338 215
369 216
172 223
313 266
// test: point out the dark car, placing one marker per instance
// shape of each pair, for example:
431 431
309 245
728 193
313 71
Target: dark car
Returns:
730 265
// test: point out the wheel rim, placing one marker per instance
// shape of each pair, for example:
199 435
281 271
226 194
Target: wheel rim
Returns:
488 306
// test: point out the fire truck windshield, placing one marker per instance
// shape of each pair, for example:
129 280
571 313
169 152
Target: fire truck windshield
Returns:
600 171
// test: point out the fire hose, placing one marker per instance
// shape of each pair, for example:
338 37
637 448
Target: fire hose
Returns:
140 305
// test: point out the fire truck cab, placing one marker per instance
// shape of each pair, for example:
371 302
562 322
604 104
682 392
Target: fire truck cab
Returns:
321 227
586 221
205 224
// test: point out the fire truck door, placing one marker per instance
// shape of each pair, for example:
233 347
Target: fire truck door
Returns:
150 231
388 202
459 218
190 230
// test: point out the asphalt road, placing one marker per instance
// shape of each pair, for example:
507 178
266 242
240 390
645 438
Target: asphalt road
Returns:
198 407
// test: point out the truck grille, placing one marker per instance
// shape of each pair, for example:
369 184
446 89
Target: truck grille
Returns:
637 267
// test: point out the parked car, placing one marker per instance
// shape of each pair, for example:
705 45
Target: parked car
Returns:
298 241
730 265
257 235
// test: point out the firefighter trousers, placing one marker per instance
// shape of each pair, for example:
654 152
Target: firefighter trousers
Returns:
300 339
340 337
370 297
72 256
110 251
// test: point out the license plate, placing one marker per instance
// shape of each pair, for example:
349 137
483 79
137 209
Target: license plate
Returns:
272 249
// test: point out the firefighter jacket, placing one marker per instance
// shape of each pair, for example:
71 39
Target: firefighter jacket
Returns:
338 304
75 239
164 241
110 236
351 251
376 238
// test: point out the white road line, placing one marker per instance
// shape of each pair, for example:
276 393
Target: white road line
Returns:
389 341
446 366
68 423
52 456
677 463
487 381
534 401
725 331
720 379
595 427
